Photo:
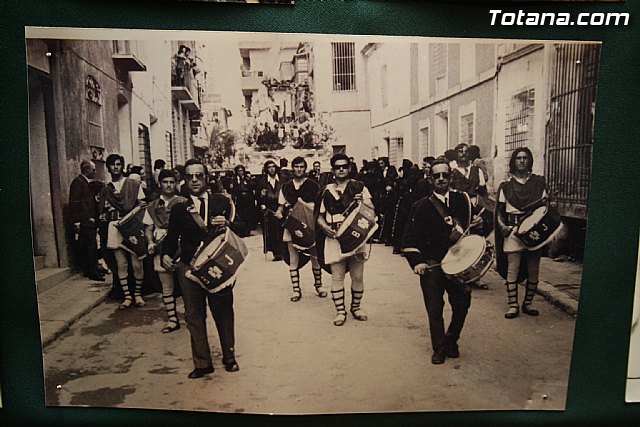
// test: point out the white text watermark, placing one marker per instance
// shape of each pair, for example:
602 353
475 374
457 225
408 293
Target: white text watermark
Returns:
498 17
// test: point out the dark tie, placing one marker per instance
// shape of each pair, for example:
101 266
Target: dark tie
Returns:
203 213
446 201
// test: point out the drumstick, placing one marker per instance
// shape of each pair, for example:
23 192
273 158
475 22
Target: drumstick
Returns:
538 201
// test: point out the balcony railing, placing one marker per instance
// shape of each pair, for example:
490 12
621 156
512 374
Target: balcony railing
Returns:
125 56
184 86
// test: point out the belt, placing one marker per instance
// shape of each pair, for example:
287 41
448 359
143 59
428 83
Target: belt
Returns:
515 219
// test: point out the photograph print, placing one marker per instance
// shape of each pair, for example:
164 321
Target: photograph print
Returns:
276 223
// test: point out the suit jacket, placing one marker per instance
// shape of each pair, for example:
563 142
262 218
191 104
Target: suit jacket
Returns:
427 233
184 230
82 202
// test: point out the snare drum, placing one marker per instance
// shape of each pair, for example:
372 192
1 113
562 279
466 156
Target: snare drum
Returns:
301 225
215 265
469 259
537 229
358 226
132 229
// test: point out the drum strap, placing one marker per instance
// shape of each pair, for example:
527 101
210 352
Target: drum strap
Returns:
439 207
198 219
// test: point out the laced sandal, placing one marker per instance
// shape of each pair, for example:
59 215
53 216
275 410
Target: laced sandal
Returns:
172 325
529 311
125 304
297 294
358 314
321 292
340 318
512 313
139 301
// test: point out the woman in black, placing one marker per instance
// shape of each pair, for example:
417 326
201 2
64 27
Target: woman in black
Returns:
241 190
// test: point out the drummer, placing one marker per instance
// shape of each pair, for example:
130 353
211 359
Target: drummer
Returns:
197 220
156 221
522 193
435 224
116 200
299 189
335 199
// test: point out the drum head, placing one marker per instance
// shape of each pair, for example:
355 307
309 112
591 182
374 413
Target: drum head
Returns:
535 217
208 251
463 254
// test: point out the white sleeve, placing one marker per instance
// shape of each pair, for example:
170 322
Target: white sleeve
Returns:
501 198
141 195
147 218
281 199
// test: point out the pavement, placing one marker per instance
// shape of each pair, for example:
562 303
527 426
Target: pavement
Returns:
63 304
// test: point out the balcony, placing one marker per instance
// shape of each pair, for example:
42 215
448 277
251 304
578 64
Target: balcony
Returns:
184 88
251 80
124 56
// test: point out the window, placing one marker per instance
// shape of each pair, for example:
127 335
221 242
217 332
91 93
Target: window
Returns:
466 129
396 151
384 86
519 123
94 112
344 66
423 143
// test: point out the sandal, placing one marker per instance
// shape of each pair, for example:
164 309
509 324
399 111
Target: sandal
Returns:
529 311
125 304
321 292
297 295
139 301
358 314
172 325
482 285
340 318
512 313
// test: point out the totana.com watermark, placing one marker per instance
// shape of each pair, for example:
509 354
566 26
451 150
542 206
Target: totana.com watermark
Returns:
498 17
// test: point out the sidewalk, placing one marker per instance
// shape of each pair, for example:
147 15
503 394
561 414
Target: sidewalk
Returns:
63 304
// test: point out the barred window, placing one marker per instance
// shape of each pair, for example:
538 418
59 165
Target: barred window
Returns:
466 129
344 66
519 122
94 112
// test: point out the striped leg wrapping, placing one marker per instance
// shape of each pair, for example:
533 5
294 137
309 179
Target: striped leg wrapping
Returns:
356 297
295 281
338 301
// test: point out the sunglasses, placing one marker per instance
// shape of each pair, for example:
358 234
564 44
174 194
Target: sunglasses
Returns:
444 175
190 176
338 167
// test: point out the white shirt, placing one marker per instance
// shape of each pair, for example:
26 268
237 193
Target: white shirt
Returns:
444 198
272 180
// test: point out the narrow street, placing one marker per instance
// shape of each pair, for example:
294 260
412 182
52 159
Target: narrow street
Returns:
293 360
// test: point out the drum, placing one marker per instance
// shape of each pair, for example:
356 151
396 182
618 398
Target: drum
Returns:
132 230
469 259
301 225
359 225
215 265
537 229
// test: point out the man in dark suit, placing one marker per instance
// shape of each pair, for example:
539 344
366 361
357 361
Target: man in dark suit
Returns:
436 223
83 211
197 221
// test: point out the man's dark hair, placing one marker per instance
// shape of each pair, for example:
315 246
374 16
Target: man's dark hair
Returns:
429 159
298 160
192 162
166 173
159 164
316 163
284 162
85 166
441 161
461 146
512 161
339 156
237 168
451 155
473 152
179 169
385 160
136 169
111 159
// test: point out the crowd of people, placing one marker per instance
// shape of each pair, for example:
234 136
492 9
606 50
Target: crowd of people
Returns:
421 211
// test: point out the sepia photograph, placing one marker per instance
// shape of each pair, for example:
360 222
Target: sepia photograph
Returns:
283 223
633 372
